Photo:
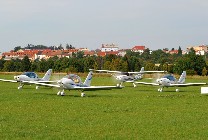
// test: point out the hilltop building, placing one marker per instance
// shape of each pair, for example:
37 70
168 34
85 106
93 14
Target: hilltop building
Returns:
199 50
106 49
109 48
139 49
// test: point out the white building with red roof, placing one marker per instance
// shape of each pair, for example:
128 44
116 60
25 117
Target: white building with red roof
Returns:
139 49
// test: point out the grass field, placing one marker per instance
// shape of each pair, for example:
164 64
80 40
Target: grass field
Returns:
128 113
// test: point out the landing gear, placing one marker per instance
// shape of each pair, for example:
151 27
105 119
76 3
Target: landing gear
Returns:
83 94
61 93
37 87
119 84
160 89
177 90
134 85
20 86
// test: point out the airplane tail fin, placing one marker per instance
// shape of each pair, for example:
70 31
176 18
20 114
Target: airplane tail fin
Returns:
88 80
182 77
47 75
142 69
140 76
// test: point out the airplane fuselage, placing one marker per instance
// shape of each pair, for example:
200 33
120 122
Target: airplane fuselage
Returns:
124 78
165 82
27 76
20 78
69 83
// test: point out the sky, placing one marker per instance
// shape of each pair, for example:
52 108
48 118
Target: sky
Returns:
156 24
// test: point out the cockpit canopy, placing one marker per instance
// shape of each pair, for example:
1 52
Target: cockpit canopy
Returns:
73 77
170 77
30 74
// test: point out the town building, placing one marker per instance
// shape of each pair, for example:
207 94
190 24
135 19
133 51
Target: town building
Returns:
199 50
139 49
109 48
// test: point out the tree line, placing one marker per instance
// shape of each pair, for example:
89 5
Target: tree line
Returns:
132 61
31 46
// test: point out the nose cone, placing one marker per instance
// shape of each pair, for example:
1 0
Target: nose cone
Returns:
159 81
65 82
59 82
17 78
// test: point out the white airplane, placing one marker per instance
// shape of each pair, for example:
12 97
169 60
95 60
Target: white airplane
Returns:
25 77
170 81
129 77
73 82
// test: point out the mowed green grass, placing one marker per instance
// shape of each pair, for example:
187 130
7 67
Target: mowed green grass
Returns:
128 113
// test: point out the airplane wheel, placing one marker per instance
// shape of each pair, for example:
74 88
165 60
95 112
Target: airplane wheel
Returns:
37 87
59 93
19 87
62 93
83 95
177 90
134 85
158 89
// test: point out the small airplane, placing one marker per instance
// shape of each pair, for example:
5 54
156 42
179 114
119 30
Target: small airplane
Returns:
25 77
73 82
129 77
170 81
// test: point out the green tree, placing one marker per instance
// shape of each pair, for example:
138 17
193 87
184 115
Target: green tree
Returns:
146 54
149 66
17 65
124 65
67 46
2 61
9 66
115 64
26 64
95 66
88 63
204 71
107 65
71 47
181 64
17 48
179 51
80 54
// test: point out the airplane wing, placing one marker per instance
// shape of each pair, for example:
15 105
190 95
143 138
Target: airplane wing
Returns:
173 85
77 87
97 88
188 84
146 83
46 81
34 82
142 72
109 71
14 81
132 81
4 80
43 84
